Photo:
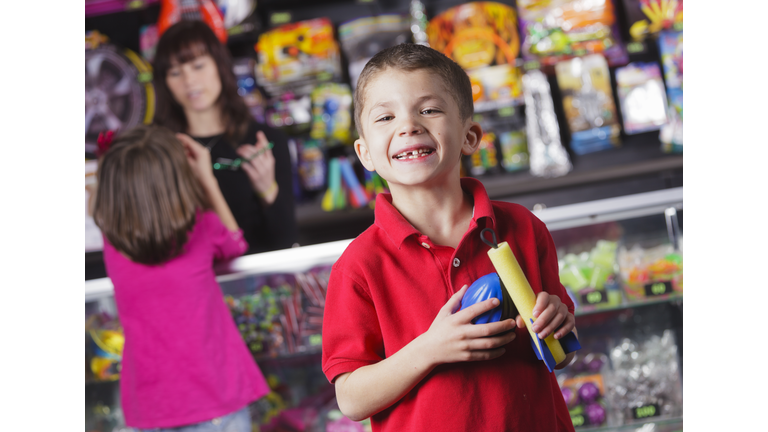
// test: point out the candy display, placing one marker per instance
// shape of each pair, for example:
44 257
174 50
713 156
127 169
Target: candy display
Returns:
671 50
649 17
494 87
584 397
281 320
591 276
362 38
297 56
651 272
641 97
331 113
476 34
645 380
118 89
588 103
548 157
105 342
557 30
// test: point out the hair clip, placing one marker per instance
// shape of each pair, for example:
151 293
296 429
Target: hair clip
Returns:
103 142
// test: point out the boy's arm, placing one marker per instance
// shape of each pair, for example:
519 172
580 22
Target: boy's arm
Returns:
451 338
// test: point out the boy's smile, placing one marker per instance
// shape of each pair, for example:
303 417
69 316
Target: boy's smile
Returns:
413 133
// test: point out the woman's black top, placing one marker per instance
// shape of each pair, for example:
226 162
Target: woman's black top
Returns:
265 228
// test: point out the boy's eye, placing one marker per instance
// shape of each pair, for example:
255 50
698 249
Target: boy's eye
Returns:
384 118
430 111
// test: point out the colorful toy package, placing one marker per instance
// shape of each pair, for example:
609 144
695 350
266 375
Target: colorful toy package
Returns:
498 86
331 113
297 56
362 38
557 30
548 157
671 50
641 97
290 112
476 34
584 397
652 272
649 17
503 144
588 103
246 87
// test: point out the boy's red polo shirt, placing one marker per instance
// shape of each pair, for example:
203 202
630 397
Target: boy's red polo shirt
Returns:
387 288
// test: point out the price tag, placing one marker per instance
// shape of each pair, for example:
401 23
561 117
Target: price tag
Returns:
278 18
658 288
646 411
594 297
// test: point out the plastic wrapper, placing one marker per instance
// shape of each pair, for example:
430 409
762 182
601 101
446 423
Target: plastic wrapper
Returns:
588 103
331 113
362 38
645 381
671 50
494 87
641 96
583 389
548 157
648 17
591 276
557 30
476 34
298 56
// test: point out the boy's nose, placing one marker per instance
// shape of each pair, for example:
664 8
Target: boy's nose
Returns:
410 127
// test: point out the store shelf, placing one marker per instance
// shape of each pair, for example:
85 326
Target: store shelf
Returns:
591 310
646 426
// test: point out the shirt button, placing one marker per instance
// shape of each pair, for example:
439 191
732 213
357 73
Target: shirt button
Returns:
456 262
425 245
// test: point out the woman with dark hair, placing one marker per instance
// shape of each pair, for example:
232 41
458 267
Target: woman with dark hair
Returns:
197 95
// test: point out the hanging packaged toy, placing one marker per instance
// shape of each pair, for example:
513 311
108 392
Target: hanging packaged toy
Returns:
297 56
556 30
476 34
505 128
548 157
641 97
247 89
311 165
362 38
649 17
588 103
331 113
671 50
290 112
494 87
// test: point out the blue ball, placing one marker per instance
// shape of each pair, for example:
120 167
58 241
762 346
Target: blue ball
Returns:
484 288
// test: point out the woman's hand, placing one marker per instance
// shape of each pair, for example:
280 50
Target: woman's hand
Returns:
199 159
260 168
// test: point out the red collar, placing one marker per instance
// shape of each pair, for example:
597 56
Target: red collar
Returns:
398 229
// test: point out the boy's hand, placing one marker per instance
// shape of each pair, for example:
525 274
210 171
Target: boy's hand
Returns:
453 338
551 315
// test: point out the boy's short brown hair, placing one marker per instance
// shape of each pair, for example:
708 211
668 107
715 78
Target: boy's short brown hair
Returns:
147 196
410 57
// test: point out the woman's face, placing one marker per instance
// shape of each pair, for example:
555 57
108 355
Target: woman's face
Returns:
196 84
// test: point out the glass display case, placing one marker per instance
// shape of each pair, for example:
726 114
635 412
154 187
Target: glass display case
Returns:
620 259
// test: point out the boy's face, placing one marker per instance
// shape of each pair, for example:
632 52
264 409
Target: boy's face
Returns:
413 134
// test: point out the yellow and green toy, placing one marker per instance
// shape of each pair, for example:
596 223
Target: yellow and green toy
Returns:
514 282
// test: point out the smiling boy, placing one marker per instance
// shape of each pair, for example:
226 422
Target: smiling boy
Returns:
394 344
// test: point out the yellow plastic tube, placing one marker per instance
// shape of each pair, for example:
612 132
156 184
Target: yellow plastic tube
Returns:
522 295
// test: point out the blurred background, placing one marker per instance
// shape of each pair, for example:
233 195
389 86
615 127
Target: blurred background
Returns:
581 104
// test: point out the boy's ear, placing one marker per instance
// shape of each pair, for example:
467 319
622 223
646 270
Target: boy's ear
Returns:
362 153
472 138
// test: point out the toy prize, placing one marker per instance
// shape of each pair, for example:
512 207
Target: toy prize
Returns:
484 160
173 11
641 97
311 165
649 17
584 397
671 50
297 56
419 22
362 38
509 278
106 346
588 103
505 128
476 34
331 113
247 89
118 89
557 30
548 157
343 187
290 112
495 87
